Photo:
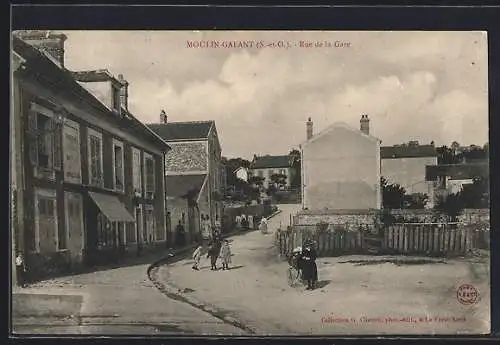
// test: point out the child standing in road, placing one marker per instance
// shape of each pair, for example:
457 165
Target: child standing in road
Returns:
225 255
197 257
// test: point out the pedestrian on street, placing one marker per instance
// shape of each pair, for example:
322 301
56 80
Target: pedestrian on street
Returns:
181 234
308 263
225 255
213 253
263 225
20 270
197 257
250 223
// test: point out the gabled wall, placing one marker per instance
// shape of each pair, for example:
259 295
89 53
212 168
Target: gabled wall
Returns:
341 170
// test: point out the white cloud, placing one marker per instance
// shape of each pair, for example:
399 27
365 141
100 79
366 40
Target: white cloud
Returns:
414 85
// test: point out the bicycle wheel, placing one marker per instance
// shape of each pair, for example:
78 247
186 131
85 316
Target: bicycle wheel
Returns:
290 276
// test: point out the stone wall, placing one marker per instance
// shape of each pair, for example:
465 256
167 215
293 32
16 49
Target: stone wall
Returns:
364 217
187 156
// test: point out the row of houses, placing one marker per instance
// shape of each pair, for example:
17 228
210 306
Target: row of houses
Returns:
90 182
411 165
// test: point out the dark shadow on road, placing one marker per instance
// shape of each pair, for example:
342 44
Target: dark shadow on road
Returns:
322 283
397 262
235 267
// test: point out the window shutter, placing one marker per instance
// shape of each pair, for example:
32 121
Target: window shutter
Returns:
33 143
57 146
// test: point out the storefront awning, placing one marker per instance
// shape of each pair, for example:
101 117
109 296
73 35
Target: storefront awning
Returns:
112 207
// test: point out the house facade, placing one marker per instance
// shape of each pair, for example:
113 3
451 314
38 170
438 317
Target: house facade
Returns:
446 179
405 165
89 183
341 169
194 172
267 166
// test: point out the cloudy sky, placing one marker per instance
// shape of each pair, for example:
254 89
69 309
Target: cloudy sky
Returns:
426 86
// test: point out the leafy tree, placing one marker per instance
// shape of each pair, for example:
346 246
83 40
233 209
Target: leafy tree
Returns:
415 201
393 195
296 166
476 194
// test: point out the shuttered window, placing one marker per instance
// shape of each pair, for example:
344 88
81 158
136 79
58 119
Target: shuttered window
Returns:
149 168
45 146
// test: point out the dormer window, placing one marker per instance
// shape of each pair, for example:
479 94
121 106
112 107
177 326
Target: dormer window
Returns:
116 99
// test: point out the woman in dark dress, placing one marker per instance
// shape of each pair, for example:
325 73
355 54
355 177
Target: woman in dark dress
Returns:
309 267
213 252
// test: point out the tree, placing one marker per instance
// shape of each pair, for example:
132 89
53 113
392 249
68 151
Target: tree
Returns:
415 200
295 157
231 165
393 195
476 194
446 155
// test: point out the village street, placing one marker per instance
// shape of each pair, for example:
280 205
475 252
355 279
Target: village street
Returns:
356 294
113 301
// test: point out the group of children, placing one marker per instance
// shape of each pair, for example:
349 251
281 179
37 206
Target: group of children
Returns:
216 249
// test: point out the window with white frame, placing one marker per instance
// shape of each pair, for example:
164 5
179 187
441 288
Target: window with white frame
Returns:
95 158
46 230
136 171
71 150
45 140
149 172
118 167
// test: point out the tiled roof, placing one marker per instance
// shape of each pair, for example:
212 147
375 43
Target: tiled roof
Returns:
456 171
182 130
62 79
264 162
179 186
96 75
407 151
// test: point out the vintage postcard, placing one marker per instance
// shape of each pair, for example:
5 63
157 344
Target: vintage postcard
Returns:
250 183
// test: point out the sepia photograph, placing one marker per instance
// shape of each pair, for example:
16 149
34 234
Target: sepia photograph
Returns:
249 183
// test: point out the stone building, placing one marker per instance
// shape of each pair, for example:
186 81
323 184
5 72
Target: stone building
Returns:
88 183
405 165
267 166
341 168
193 173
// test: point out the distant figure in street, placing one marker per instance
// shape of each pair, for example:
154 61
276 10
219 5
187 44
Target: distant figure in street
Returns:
244 222
207 232
308 265
181 234
197 257
263 225
225 255
20 270
213 253
238 221
251 224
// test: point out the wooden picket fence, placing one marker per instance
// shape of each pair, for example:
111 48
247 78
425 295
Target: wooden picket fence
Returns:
435 239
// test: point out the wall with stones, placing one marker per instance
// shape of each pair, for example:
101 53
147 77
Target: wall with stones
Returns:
356 218
187 157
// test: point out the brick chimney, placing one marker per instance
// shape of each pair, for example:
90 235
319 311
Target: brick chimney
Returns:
163 117
123 91
364 124
47 41
309 129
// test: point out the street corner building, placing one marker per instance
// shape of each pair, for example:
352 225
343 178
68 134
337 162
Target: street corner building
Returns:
87 176
341 168
193 174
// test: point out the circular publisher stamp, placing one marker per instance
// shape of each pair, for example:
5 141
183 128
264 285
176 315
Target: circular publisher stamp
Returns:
467 294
